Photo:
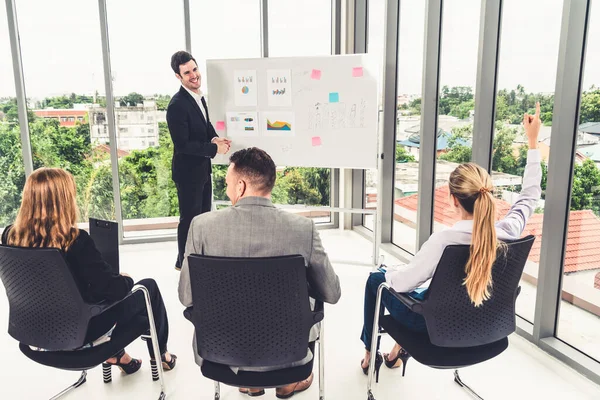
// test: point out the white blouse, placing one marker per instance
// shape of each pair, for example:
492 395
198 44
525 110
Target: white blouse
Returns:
423 265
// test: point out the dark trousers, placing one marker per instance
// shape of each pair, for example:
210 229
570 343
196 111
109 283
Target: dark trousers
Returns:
134 308
194 199
404 315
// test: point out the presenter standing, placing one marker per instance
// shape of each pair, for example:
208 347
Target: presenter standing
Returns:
195 143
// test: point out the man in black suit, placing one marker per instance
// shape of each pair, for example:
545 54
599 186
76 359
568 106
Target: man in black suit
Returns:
195 143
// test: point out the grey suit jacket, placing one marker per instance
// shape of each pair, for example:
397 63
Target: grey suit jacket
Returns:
254 227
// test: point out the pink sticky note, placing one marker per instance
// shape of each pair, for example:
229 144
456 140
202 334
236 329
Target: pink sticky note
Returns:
316 74
357 72
316 140
220 126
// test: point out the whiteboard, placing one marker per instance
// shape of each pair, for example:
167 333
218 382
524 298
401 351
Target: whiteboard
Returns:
303 111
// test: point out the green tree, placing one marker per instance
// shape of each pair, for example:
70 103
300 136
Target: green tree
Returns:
219 187
132 99
586 187
319 179
10 109
298 190
12 178
458 150
65 102
162 101
415 106
590 106
402 155
456 101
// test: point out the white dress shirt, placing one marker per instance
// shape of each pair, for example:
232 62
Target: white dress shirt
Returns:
423 265
198 97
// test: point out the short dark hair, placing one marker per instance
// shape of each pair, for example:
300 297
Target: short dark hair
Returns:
180 58
256 166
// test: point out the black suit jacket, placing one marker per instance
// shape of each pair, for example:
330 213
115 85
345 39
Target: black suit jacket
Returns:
191 135
94 277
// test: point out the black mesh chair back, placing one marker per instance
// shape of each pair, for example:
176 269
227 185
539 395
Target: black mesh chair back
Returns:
251 311
46 308
452 320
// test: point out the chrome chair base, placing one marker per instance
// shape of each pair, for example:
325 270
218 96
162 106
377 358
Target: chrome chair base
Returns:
81 381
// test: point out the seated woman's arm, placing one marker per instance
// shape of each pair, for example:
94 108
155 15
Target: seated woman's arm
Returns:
516 219
421 267
94 274
514 222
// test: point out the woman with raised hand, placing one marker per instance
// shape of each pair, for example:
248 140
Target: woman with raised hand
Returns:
471 195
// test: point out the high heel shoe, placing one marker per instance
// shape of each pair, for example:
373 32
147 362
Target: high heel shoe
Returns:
130 368
378 362
167 365
403 356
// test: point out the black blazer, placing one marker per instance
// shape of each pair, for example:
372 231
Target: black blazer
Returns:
191 135
94 277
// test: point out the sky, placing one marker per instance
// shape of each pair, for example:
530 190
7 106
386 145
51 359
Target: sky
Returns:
61 47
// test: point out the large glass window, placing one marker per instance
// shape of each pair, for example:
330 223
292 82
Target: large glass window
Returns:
62 64
527 73
299 28
375 47
223 29
408 122
579 324
143 83
458 71
12 178
239 37
458 65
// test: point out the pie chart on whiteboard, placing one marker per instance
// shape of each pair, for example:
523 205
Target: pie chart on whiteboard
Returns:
245 90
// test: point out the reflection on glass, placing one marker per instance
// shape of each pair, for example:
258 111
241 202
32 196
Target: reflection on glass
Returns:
299 28
62 96
142 94
579 323
525 77
408 137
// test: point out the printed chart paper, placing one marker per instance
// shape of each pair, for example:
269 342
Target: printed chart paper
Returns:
279 87
242 124
244 83
277 124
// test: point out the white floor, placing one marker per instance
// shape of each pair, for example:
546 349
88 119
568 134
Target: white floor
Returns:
523 371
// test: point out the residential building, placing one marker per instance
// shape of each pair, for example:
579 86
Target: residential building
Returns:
137 126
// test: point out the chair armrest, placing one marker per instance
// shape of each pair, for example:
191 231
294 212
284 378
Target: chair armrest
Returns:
99 308
187 313
318 312
413 304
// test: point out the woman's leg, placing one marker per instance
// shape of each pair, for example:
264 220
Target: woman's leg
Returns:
131 308
397 310
158 310
373 282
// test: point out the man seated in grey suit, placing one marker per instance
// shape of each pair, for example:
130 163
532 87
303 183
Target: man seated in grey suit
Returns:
253 227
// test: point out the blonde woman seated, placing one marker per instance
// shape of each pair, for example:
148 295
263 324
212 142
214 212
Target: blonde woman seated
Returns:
48 218
471 194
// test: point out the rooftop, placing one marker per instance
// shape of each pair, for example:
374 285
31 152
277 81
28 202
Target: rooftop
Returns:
407 176
590 127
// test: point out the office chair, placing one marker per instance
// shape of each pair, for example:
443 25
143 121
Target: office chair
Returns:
253 312
458 333
47 311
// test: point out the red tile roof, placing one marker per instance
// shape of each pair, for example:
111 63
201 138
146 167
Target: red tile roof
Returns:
583 252
104 148
597 281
